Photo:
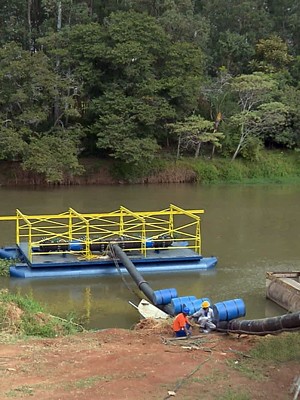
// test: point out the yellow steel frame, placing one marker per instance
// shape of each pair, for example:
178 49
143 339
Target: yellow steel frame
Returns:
134 227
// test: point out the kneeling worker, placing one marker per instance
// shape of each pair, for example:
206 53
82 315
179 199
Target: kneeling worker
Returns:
205 316
181 323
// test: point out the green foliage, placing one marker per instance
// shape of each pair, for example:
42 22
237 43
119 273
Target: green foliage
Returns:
206 171
252 150
282 348
270 166
54 155
271 55
124 70
231 172
234 394
274 165
4 266
132 173
24 316
194 131
235 51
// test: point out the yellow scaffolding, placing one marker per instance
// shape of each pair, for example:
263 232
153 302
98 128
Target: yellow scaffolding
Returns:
135 228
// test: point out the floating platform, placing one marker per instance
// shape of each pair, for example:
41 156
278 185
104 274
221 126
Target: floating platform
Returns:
284 289
75 244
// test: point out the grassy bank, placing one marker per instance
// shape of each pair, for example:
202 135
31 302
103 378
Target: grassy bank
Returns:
270 167
23 316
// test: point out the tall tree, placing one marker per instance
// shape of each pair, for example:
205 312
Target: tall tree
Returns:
251 91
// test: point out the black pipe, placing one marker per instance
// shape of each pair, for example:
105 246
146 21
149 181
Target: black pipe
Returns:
134 273
265 326
138 279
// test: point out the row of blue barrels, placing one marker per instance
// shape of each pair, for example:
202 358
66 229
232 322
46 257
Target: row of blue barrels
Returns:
190 302
164 296
230 309
223 311
167 296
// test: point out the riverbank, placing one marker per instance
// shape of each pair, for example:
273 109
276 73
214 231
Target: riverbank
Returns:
272 167
145 364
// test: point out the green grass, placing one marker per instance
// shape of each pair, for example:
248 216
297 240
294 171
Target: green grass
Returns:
282 348
23 316
234 395
271 167
268 350
21 391
249 368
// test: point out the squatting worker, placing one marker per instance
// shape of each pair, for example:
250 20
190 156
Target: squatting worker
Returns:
181 324
205 317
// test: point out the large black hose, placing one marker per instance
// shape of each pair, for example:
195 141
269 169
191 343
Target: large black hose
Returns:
137 277
134 273
265 326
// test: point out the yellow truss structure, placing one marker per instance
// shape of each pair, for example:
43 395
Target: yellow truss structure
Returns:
133 226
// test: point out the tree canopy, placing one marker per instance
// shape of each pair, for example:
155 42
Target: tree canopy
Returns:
128 80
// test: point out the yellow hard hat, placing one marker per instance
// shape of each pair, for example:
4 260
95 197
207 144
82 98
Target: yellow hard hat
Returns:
205 304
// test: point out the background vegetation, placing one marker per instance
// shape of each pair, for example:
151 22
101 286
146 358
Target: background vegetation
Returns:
137 80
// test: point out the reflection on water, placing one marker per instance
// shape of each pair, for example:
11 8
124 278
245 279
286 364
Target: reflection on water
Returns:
251 229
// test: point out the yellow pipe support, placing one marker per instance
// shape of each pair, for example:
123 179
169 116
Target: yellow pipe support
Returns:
87 232
22 216
143 231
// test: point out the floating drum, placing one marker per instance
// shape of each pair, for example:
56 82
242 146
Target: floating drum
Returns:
230 309
178 303
164 296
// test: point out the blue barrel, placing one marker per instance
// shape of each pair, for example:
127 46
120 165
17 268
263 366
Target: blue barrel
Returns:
164 296
76 245
230 309
149 243
179 302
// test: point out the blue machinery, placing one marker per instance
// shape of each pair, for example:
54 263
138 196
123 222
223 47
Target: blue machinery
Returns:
76 244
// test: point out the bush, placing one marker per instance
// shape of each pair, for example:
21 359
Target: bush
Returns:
206 171
132 173
235 171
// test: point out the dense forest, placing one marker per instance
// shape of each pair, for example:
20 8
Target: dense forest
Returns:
134 80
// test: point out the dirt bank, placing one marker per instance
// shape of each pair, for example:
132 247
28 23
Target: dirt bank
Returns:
142 364
12 174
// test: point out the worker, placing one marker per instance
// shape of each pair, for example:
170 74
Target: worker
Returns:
181 323
205 317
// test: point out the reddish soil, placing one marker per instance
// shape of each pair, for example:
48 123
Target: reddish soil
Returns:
139 365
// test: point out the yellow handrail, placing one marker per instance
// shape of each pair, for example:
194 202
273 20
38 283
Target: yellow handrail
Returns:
135 226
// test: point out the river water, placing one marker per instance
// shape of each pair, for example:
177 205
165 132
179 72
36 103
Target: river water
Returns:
250 228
